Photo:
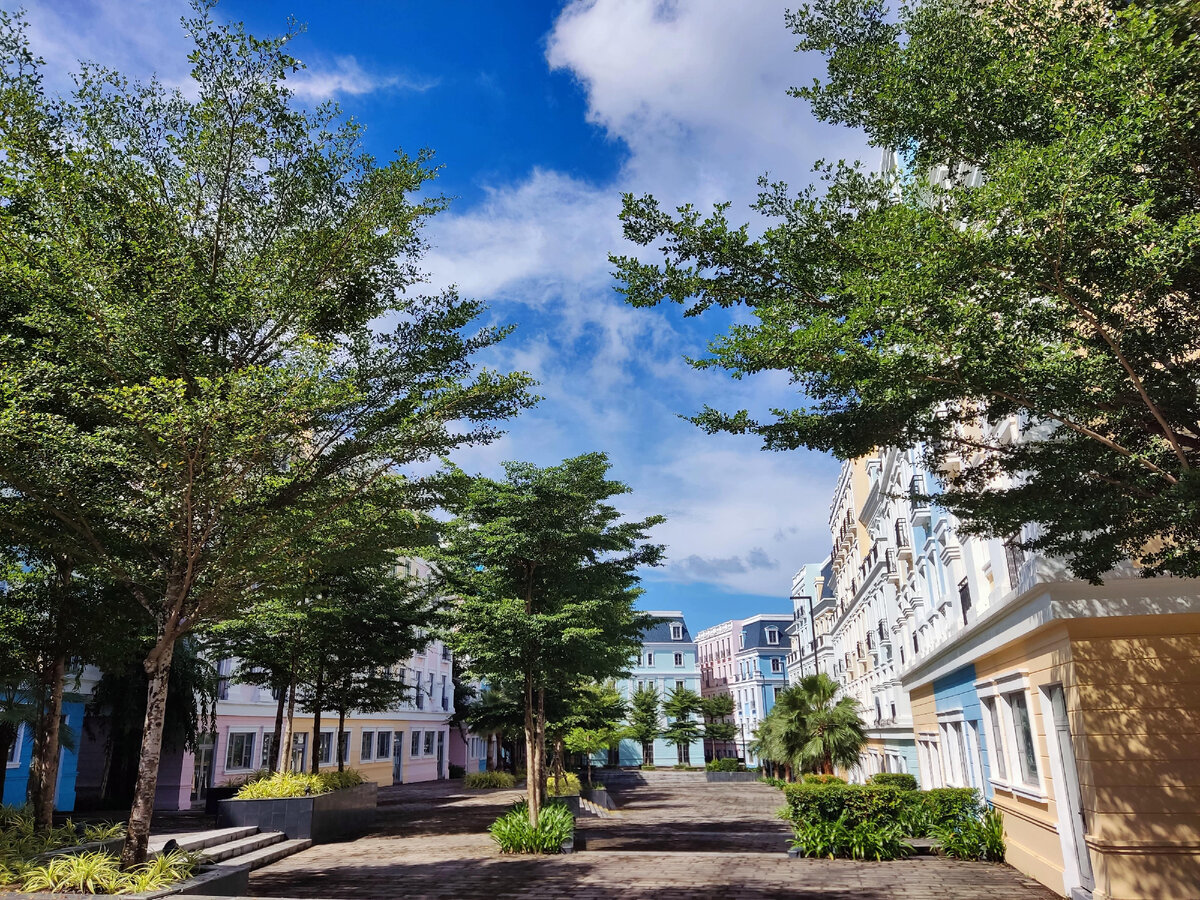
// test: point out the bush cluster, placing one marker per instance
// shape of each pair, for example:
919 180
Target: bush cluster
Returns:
489 780
100 873
773 782
565 785
813 778
864 821
20 844
297 784
906 781
728 764
513 833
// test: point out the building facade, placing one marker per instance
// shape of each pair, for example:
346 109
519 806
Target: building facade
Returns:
1072 708
667 660
760 673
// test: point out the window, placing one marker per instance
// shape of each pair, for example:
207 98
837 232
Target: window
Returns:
649 659
366 749
428 749
999 753
777 690
240 752
742 641
224 668
776 664
299 752
345 746
679 685
268 750
679 659
14 752
325 748
676 631
964 598
772 636
383 745
1026 753
445 694
415 749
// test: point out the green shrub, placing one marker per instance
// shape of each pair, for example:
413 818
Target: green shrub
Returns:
297 784
100 873
902 780
457 771
773 782
878 804
866 840
513 834
477 780
980 837
947 807
813 778
565 785
728 764
648 768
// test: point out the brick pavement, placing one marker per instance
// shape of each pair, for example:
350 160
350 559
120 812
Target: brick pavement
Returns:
432 842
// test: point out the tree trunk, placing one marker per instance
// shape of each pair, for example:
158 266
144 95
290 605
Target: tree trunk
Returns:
8 736
158 670
277 734
532 792
827 765
341 739
540 747
316 742
43 769
286 761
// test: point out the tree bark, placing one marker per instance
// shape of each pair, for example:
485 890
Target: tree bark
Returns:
286 760
277 734
158 670
316 744
532 793
341 739
43 769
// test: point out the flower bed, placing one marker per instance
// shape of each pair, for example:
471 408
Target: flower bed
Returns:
333 807
483 780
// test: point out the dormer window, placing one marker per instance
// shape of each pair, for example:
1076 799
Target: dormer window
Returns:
676 631
772 636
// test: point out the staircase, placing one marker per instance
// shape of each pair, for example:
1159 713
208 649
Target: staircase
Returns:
234 846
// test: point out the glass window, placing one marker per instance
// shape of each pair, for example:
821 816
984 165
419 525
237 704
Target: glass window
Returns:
649 659
367 747
325 748
679 659
776 664
679 685
14 752
268 750
1026 752
429 743
772 636
383 745
345 747
415 750
999 753
299 752
240 752
676 631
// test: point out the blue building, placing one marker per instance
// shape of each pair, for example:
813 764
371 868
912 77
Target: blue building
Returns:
760 673
666 661
16 781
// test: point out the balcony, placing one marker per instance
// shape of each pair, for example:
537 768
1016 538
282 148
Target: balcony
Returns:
921 511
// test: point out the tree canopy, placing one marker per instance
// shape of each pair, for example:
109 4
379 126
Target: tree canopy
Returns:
1030 255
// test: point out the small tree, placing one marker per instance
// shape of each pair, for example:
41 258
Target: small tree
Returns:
545 571
590 741
644 719
682 730
717 728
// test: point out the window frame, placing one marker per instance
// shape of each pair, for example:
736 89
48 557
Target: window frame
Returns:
996 695
13 761
383 744
676 631
773 636
415 744
428 746
679 660
367 737
247 755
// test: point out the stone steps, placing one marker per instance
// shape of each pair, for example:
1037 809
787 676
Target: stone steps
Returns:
228 847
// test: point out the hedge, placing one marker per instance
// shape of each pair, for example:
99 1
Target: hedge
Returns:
903 780
916 812
728 764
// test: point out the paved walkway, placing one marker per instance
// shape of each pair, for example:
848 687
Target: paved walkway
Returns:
721 841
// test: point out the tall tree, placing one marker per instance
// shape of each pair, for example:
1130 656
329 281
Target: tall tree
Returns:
680 705
644 717
821 730
193 373
1032 260
545 569
717 710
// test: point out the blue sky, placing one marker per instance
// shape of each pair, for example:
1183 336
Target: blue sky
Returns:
542 115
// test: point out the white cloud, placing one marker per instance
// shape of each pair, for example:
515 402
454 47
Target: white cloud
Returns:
346 77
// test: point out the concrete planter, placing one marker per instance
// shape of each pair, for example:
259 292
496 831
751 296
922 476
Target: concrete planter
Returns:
322 818
731 776
601 798
215 881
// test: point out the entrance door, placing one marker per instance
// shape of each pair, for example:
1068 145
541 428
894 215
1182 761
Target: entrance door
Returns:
397 757
1076 827
441 755
202 771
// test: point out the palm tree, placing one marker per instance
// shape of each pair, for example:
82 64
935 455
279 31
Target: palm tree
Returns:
834 732
768 743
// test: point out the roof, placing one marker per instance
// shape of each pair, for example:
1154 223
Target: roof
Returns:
755 631
661 632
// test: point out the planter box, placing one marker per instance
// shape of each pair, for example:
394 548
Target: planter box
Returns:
601 798
215 881
322 818
731 776
215 795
